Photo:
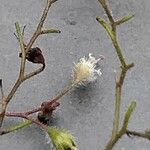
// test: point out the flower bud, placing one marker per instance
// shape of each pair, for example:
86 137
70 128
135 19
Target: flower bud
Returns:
61 139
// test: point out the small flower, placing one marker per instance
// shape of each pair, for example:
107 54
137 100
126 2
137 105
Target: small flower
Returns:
85 70
61 139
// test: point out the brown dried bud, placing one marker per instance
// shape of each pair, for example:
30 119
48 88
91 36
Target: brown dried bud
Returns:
35 55
49 107
43 118
47 110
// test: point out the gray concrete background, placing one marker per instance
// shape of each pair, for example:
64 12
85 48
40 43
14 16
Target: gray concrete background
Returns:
87 113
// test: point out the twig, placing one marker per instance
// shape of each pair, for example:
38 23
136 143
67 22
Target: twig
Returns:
48 106
50 31
31 74
65 91
28 118
123 130
113 36
112 32
1 88
22 125
107 10
45 105
138 134
124 19
118 94
23 59
23 30
40 25
6 100
16 127
24 50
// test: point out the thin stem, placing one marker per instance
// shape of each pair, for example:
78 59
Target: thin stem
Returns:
1 88
22 66
6 100
138 134
114 140
16 127
111 29
31 74
33 111
119 50
23 59
115 41
107 10
124 19
24 50
65 91
123 130
19 81
48 105
117 111
40 25
50 31
28 118
118 94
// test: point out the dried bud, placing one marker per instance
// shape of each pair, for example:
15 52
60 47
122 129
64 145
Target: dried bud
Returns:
47 110
43 118
34 55
61 139
49 107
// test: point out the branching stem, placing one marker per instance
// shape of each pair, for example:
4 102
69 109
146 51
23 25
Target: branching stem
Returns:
22 77
138 134
25 115
111 29
123 130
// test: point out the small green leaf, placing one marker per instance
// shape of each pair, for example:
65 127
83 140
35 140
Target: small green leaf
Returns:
129 113
106 26
50 31
124 19
14 128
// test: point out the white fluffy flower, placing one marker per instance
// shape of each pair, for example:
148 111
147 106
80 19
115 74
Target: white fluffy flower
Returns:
85 70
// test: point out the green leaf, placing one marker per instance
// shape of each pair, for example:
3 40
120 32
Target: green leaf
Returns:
106 26
129 113
50 31
124 19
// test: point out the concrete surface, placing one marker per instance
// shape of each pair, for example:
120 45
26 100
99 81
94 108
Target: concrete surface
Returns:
87 113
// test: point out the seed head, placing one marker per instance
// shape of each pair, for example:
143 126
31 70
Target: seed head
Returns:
85 70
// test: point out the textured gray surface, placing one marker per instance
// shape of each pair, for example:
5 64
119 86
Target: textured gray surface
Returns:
88 113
